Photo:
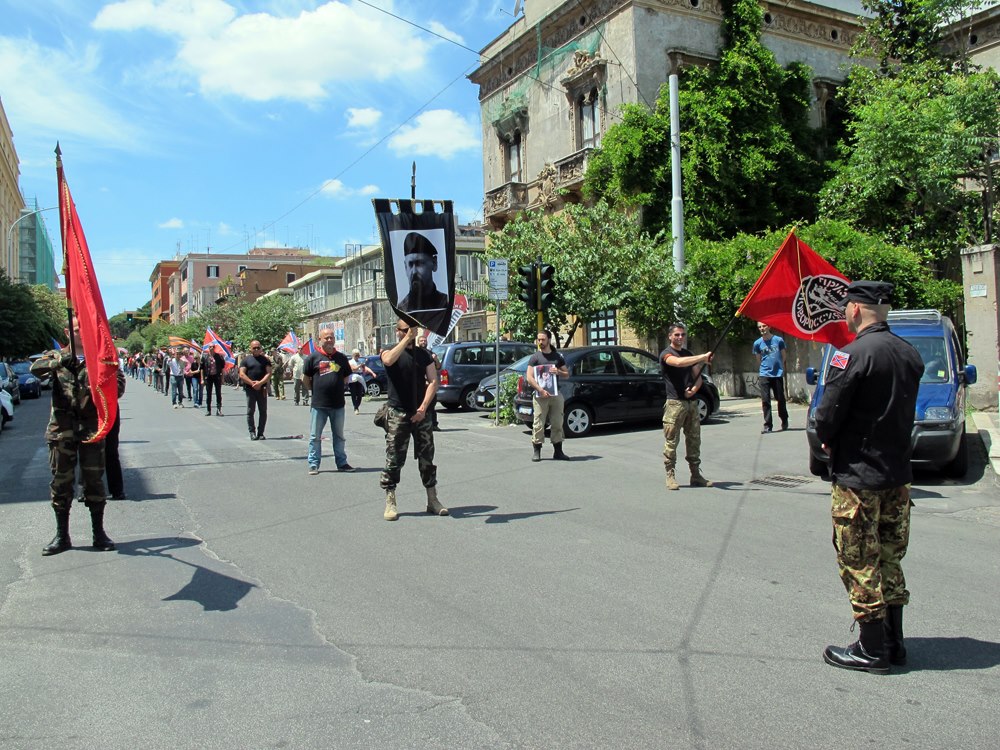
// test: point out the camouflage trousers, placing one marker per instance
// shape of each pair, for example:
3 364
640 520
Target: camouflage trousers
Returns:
278 383
871 530
64 457
677 416
399 428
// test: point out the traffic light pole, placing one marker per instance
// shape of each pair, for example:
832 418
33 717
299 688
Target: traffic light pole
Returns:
540 313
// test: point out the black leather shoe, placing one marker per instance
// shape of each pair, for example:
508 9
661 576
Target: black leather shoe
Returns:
253 436
784 426
765 431
867 654
261 437
345 467
58 544
118 496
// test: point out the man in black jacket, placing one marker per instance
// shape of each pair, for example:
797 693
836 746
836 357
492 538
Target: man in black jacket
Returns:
864 420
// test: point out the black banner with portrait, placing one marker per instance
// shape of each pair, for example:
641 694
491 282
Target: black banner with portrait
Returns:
418 251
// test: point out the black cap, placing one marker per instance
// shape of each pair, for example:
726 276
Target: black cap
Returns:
417 243
869 292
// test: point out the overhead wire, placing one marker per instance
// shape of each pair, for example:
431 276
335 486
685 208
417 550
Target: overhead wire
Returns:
480 62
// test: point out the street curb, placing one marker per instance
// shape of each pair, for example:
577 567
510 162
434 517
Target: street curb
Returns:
988 427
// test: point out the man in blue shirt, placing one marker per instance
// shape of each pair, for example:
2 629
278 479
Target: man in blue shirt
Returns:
770 351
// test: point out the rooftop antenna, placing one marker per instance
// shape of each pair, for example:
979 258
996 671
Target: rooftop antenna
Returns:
517 7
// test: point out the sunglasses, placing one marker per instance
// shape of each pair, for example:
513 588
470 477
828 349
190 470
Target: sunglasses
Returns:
402 330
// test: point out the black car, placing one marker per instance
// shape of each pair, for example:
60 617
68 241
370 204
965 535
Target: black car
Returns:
28 384
612 384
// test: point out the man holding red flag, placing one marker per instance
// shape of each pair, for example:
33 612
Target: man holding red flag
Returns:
74 419
86 384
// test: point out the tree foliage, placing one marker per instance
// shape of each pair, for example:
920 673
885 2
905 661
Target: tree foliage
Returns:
900 33
595 252
749 156
917 141
719 274
26 327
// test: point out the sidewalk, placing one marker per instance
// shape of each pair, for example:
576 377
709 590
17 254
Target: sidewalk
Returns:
988 426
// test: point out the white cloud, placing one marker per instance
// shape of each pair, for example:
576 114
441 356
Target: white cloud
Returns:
185 18
51 94
339 191
442 30
173 223
437 132
262 57
224 230
365 117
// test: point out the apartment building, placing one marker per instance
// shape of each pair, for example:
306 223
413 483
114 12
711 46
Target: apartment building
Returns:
11 203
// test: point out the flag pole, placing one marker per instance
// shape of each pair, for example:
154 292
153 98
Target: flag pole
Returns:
62 235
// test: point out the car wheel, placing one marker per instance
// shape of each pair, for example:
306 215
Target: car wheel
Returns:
374 389
578 420
958 467
469 398
704 408
16 396
450 406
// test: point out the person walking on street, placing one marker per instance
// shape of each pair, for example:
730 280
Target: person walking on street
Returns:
300 391
770 352
194 370
212 365
864 421
412 385
356 381
278 374
682 373
72 421
176 366
544 368
255 371
325 373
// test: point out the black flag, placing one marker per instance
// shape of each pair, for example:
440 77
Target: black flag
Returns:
418 251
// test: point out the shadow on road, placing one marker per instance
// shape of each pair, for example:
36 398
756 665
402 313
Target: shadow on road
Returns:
486 512
948 654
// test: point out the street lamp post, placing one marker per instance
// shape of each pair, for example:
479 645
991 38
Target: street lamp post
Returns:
10 237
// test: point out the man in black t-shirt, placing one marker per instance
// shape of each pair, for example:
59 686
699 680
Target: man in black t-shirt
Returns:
544 368
682 373
324 372
412 386
255 371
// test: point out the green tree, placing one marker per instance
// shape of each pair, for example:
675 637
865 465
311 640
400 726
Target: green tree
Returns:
594 251
900 33
749 157
913 138
267 320
25 327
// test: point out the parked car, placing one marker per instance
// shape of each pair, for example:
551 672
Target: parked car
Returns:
465 363
486 391
612 384
6 408
8 382
27 384
938 436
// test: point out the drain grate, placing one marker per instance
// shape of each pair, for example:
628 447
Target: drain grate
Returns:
782 480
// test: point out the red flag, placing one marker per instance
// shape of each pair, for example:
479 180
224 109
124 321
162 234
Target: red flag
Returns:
84 296
800 294
212 341
308 348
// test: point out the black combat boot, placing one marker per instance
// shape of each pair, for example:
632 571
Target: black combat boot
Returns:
894 649
536 454
867 654
101 540
61 542
557 452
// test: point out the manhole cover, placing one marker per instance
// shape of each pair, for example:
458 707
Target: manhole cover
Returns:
782 480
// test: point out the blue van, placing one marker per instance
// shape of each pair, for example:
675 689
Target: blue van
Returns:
939 428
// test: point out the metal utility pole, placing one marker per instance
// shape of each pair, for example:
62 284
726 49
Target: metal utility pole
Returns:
677 201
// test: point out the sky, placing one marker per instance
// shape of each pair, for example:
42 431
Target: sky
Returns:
207 125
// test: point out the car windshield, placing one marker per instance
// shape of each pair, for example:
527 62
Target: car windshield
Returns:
22 368
520 366
932 352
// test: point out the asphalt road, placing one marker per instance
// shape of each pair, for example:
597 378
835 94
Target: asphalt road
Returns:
562 605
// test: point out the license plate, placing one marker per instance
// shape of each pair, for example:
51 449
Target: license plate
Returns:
526 410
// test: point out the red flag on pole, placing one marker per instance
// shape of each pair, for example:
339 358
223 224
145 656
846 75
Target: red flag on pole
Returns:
84 297
801 294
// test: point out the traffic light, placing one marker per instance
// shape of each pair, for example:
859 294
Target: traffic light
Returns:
546 286
129 317
529 288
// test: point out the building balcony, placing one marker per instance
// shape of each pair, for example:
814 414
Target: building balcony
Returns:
571 170
506 201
